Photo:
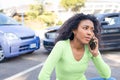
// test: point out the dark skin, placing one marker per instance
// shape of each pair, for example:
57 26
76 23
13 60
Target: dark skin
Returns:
82 36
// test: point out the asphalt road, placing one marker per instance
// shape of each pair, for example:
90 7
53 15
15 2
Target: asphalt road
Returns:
28 66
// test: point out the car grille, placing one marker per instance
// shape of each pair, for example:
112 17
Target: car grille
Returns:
27 37
23 48
0 47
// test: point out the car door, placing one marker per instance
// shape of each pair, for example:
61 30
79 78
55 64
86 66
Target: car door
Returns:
110 33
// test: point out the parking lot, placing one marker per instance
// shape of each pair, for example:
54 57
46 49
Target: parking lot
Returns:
27 67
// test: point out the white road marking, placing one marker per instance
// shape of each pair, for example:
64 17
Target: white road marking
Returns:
24 72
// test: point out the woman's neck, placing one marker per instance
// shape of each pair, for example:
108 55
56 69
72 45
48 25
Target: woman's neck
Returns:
77 45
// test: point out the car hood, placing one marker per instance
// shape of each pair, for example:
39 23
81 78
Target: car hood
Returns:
53 28
19 30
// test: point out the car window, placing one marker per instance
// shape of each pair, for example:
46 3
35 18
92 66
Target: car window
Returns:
112 20
7 20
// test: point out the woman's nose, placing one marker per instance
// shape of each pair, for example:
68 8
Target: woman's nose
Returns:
90 32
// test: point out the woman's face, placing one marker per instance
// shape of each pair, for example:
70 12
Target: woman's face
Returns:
84 32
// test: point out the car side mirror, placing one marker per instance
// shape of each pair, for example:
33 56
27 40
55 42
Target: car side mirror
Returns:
104 23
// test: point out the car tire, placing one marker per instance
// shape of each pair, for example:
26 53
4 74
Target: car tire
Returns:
2 57
30 52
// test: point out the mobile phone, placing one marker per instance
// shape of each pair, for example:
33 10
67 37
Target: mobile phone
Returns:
92 44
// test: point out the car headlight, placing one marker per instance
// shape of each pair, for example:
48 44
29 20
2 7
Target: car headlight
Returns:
51 35
10 36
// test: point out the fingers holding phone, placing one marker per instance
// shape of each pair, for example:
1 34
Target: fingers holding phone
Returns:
93 45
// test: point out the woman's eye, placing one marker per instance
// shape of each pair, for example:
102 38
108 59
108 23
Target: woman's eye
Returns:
85 28
92 30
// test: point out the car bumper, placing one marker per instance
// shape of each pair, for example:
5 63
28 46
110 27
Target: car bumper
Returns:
48 44
14 48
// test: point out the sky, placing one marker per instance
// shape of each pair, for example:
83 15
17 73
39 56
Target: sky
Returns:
12 3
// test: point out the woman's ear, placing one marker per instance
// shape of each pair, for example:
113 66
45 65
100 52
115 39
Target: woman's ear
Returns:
71 36
74 32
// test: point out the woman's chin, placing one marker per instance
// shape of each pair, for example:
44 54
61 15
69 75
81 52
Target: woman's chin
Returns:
86 42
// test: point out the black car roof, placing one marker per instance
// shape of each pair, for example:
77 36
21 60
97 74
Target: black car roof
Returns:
101 16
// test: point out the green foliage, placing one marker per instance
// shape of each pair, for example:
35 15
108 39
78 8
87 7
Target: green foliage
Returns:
37 13
1 10
48 18
35 10
74 5
32 14
59 23
38 8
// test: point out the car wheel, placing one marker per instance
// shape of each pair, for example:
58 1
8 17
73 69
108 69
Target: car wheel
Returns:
30 52
2 57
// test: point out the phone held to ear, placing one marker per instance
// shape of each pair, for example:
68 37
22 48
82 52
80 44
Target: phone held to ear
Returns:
92 44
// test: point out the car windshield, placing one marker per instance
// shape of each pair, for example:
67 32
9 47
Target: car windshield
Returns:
5 20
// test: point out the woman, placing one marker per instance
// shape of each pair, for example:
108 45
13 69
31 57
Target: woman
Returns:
72 52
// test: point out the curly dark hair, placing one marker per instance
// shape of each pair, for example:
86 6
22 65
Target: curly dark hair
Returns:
65 31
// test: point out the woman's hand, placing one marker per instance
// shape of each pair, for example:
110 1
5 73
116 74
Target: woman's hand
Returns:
95 50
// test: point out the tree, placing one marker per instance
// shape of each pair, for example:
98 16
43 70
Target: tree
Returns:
48 18
37 13
1 10
35 10
73 5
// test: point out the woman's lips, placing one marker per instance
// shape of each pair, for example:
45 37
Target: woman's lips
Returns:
88 38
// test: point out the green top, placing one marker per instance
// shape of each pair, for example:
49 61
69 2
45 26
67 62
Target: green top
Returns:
67 68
